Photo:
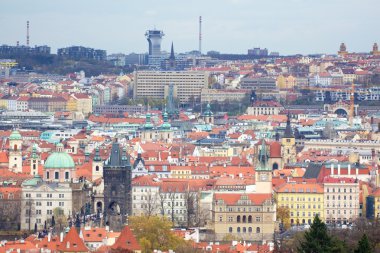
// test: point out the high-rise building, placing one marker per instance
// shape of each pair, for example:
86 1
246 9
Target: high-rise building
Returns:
154 38
156 84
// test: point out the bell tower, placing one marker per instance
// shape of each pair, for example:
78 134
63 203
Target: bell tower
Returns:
97 165
288 144
34 162
15 152
263 173
208 116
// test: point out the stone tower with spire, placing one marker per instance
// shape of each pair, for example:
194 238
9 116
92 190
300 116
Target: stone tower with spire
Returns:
117 174
263 172
288 144
172 63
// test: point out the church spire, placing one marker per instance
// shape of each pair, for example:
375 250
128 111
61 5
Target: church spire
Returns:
262 161
288 130
172 57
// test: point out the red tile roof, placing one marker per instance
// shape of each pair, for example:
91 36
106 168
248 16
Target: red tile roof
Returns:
72 242
232 198
126 241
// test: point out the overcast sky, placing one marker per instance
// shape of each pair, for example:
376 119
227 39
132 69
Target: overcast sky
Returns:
229 26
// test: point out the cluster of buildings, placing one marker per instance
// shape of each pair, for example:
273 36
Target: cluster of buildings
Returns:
73 155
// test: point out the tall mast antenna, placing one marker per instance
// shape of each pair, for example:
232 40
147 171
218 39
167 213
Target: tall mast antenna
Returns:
27 33
200 35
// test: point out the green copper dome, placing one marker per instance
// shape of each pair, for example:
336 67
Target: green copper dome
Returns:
15 135
148 124
59 160
166 125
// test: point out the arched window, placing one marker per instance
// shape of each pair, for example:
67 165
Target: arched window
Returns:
47 174
275 166
244 219
250 219
56 175
238 229
238 218
250 229
97 168
230 229
244 230
67 175
34 166
257 230
15 147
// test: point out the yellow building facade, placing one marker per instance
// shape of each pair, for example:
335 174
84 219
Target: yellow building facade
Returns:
71 105
304 201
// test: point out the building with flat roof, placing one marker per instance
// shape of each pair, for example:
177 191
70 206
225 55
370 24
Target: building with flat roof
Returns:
155 84
258 83
209 95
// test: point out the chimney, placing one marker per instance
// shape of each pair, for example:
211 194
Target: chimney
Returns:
339 169
61 237
349 169
332 169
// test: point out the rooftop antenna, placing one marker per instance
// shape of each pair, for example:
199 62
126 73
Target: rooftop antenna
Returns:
27 33
200 35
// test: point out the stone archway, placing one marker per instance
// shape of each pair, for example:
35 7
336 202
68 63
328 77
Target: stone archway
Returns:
114 208
99 207
341 111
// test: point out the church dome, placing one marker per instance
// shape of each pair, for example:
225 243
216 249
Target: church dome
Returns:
59 160
15 135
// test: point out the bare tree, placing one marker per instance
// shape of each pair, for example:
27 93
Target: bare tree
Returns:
30 210
10 209
191 207
171 203
149 203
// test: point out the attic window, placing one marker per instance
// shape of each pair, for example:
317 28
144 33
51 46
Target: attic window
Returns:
88 235
74 245
128 242
100 235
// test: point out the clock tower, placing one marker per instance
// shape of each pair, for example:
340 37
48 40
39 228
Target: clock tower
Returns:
288 145
263 173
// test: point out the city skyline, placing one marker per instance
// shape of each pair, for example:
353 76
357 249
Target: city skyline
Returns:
230 26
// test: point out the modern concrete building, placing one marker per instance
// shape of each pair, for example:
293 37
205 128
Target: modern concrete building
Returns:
155 84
